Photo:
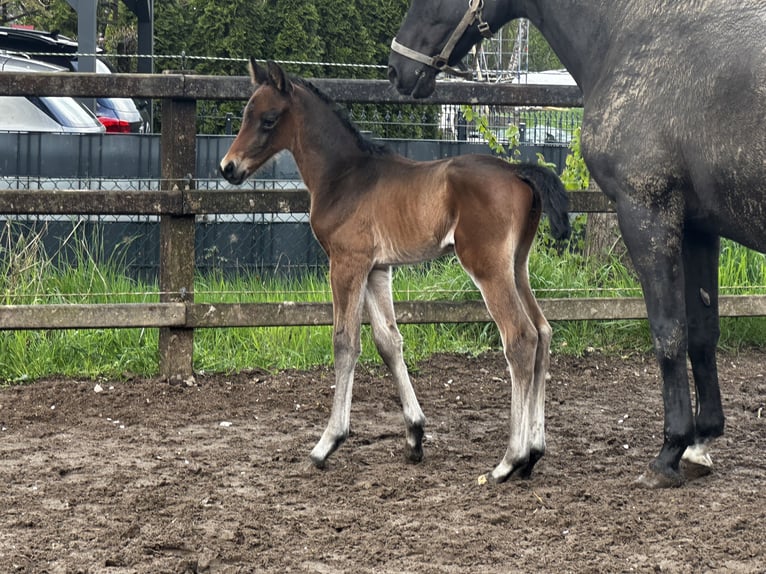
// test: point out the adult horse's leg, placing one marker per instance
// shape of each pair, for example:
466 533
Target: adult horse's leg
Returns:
347 281
653 238
701 255
388 340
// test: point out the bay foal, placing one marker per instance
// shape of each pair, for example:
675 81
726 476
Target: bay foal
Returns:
371 209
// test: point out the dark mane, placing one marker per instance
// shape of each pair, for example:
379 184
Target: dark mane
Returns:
364 143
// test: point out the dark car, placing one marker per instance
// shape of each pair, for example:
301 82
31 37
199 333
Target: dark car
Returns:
118 115
542 134
53 114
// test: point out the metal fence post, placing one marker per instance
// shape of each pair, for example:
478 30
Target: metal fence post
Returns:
178 149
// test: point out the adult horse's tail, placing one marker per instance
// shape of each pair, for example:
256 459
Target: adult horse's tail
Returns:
548 186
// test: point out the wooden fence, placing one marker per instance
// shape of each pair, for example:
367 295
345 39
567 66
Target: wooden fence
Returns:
178 202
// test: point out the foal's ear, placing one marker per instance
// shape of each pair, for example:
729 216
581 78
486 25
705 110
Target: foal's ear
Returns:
258 74
278 78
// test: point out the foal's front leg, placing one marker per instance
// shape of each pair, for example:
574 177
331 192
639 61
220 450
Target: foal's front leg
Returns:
388 341
348 283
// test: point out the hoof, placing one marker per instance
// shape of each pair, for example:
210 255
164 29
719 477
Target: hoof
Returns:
490 478
327 445
413 454
534 456
521 470
316 462
696 462
304 470
694 471
521 473
413 446
654 479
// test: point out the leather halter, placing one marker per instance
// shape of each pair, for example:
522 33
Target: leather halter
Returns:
473 14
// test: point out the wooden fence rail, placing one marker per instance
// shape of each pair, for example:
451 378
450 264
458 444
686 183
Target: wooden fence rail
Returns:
177 203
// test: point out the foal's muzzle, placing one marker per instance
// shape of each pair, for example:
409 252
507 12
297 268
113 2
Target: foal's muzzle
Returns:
231 172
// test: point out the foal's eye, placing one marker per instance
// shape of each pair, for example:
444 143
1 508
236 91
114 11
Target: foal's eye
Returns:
268 121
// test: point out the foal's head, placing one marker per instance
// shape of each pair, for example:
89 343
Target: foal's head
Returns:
265 126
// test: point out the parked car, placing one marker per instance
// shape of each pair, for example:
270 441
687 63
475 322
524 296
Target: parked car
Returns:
118 115
59 49
542 134
53 114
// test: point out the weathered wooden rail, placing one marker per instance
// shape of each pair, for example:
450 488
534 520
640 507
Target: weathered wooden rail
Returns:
177 203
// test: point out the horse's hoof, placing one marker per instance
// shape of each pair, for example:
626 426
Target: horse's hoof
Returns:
654 479
304 470
325 447
523 473
413 454
694 471
519 471
490 477
318 463
413 446
696 462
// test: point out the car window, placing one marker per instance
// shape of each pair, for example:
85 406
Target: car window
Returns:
17 113
119 104
67 111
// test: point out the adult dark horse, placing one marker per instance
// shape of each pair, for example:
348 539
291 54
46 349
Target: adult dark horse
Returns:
675 107
371 209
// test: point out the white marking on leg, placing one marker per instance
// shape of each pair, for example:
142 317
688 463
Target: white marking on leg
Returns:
389 343
347 317
537 398
507 310
518 442
698 454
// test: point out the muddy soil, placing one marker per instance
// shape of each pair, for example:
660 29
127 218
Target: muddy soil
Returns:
144 476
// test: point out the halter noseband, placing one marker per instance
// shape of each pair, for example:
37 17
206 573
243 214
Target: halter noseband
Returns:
473 14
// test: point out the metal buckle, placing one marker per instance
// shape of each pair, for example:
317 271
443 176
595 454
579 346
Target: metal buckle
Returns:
439 62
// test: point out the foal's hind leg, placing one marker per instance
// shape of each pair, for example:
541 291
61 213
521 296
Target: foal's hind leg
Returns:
348 281
388 340
520 341
542 364
497 284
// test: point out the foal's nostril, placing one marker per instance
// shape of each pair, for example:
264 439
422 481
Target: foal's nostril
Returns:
227 170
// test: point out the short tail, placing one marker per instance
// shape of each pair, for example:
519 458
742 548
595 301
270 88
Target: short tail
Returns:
548 185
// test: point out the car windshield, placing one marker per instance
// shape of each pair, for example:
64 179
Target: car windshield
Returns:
17 113
67 111
118 104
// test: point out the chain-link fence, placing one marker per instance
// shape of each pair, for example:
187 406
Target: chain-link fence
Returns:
262 243
536 126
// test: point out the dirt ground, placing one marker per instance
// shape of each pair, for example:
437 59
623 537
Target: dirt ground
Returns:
143 476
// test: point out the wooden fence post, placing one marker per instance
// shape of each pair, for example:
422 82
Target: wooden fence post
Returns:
178 149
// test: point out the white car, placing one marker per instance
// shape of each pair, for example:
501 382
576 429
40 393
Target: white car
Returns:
49 114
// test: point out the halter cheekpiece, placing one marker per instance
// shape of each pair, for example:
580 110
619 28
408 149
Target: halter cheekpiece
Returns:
440 61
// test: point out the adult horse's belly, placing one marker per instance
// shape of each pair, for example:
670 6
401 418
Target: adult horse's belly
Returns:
732 204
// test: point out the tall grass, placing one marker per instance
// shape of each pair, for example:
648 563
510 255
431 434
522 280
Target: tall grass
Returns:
29 275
